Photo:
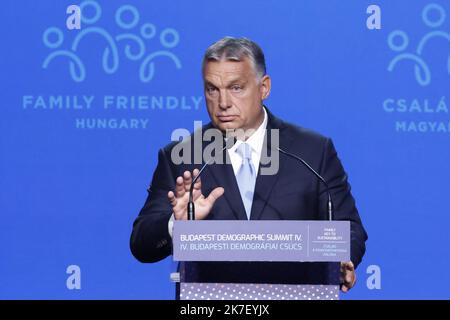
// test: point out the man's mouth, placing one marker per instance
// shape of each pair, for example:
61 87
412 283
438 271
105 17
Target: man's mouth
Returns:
226 118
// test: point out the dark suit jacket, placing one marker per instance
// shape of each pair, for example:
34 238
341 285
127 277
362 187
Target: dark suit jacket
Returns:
294 193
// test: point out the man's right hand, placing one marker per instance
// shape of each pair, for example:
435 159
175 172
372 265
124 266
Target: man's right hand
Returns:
180 198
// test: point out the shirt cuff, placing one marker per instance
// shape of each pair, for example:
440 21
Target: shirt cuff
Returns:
170 224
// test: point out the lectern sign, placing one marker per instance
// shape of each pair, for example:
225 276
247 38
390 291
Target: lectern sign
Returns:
264 240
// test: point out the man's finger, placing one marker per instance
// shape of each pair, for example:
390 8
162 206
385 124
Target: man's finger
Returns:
198 182
187 180
195 173
172 199
198 185
349 266
196 191
348 278
179 187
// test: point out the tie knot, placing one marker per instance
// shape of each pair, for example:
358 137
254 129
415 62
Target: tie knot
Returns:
245 151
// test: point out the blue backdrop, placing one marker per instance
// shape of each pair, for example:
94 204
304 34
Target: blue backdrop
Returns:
85 112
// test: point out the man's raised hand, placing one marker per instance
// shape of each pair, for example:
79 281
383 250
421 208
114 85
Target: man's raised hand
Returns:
180 197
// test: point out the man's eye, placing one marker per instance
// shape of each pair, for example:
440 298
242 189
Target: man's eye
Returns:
236 88
210 89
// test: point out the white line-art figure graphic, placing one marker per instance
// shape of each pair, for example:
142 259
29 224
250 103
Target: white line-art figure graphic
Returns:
398 41
147 68
129 36
423 77
435 33
133 38
77 70
113 64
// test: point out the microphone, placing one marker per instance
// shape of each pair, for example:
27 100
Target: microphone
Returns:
330 202
191 206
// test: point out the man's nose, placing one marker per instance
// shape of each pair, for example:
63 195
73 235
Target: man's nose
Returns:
224 100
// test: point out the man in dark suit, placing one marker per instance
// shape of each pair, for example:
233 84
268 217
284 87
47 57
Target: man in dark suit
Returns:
236 84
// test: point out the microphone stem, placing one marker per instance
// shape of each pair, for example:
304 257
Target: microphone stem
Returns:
330 207
191 210
327 188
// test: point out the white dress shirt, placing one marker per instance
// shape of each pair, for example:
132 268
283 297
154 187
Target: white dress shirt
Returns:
255 141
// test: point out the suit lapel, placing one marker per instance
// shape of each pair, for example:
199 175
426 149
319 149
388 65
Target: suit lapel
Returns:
264 182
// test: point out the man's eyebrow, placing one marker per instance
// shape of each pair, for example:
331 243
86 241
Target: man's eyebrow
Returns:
229 82
209 83
239 78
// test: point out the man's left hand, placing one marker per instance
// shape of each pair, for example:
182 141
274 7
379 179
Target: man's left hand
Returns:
347 276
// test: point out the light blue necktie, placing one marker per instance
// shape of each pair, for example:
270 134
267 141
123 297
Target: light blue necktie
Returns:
246 177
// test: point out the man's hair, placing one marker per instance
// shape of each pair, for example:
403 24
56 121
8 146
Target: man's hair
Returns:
236 49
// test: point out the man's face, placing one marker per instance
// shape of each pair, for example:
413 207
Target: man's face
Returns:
234 95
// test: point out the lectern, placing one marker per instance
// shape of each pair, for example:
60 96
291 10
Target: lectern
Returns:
259 259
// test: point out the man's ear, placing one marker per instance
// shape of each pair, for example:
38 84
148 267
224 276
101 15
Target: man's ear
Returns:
266 84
